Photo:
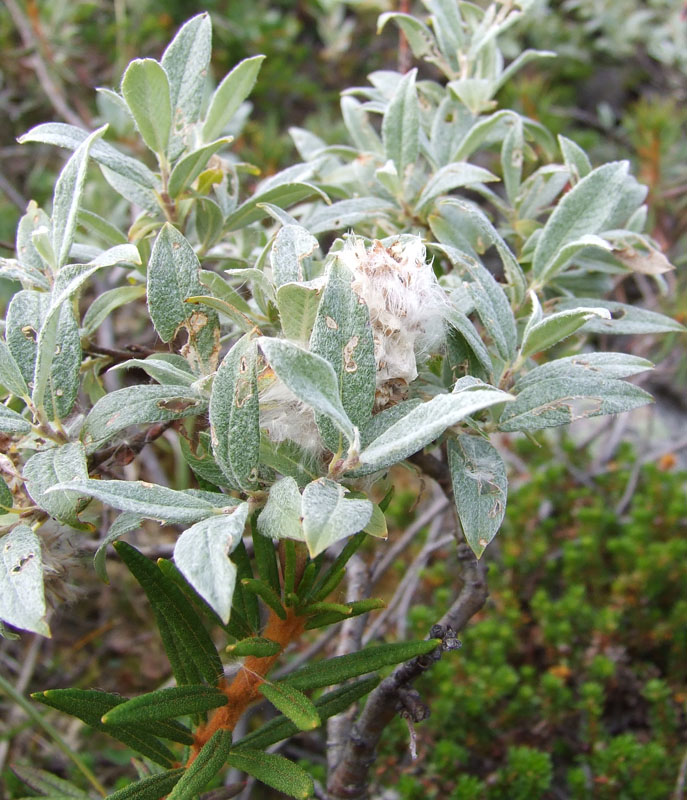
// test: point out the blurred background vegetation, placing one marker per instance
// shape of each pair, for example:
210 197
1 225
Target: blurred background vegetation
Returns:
572 682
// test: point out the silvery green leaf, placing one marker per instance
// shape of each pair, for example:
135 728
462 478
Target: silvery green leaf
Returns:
58 347
131 190
149 500
47 468
474 93
289 459
281 516
518 63
559 400
610 365
11 422
568 252
468 342
209 220
480 488
576 160
346 213
221 289
234 414
490 236
493 308
103 228
377 424
626 319
282 195
449 29
34 219
186 61
329 516
105 303
10 374
67 196
419 36
146 89
164 371
202 555
291 246
424 424
311 378
539 191
42 244
22 601
452 176
12 270
173 276
125 522
359 128
228 96
71 137
484 129
307 143
49 356
342 334
602 200
512 156
556 327
401 124
297 304
190 166
138 405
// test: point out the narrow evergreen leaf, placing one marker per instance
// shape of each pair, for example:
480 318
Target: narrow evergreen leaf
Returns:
164 704
273 770
185 636
152 787
247 601
328 705
208 763
341 668
293 704
268 595
89 705
46 783
254 646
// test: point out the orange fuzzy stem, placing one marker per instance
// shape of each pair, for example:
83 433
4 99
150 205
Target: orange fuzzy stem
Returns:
244 689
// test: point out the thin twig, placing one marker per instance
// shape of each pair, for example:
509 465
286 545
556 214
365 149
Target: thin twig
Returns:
349 780
679 793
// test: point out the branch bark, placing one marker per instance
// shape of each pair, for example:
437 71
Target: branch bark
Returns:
349 779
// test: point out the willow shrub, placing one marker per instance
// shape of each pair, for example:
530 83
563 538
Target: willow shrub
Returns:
302 373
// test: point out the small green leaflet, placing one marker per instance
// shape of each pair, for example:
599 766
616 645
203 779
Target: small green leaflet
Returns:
273 770
401 124
202 555
291 246
175 701
229 95
293 704
145 88
281 516
46 469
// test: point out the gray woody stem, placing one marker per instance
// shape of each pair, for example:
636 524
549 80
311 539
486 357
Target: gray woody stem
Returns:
349 779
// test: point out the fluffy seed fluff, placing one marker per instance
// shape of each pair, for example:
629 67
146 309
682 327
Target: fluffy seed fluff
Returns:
407 308
407 311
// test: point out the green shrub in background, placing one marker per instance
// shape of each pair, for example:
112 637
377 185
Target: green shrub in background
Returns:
574 677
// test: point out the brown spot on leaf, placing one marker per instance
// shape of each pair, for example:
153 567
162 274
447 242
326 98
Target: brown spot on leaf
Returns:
331 324
177 404
349 361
